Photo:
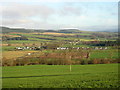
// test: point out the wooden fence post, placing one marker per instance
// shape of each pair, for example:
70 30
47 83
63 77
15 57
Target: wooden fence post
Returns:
70 64
70 67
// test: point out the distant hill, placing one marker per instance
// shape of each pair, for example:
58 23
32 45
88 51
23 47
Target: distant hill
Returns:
7 30
110 30
75 32
69 31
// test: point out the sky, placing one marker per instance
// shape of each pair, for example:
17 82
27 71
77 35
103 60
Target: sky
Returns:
90 16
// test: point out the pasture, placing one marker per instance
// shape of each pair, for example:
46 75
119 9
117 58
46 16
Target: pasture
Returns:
111 53
59 76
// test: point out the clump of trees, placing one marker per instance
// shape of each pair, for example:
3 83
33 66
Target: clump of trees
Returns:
106 43
100 43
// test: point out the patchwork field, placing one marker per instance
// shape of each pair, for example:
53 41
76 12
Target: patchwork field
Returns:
59 76
42 59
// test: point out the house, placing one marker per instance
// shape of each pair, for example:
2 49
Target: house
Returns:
96 48
100 48
19 48
62 48
106 48
29 53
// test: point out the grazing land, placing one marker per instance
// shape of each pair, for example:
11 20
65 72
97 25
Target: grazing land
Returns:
59 76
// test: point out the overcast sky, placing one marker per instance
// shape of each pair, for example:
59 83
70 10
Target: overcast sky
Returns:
58 15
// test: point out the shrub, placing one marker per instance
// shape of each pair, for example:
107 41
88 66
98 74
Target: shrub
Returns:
90 61
84 61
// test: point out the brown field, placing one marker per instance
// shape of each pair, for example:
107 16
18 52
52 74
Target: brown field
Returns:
45 33
21 45
15 54
57 34
5 44
0 35
24 33
10 35
15 33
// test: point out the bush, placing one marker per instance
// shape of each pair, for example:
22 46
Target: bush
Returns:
90 61
84 61
7 62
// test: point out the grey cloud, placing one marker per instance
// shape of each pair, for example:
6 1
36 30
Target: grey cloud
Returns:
15 21
21 10
69 10
27 23
21 15
99 28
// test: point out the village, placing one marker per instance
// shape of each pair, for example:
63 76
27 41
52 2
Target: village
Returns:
61 48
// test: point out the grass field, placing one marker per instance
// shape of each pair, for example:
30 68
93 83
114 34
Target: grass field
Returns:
110 53
59 76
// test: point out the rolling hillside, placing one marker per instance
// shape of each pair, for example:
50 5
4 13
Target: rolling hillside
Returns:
62 34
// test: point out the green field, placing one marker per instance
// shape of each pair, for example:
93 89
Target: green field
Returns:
59 76
111 53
